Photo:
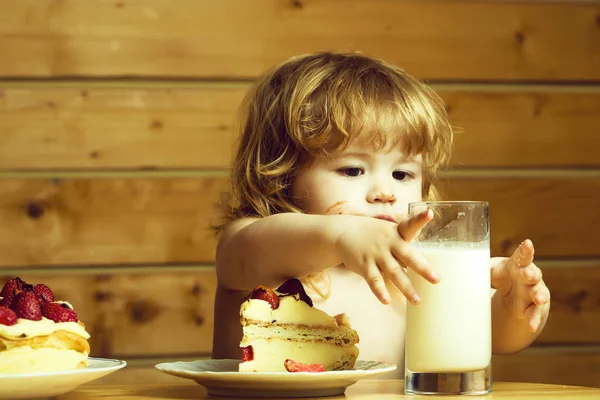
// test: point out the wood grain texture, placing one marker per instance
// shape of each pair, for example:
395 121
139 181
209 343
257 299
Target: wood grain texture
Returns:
575 305
362 390
108 221
167 220
524 128
116 128
565 366
236 39
169 312
79 128
141 313
555 213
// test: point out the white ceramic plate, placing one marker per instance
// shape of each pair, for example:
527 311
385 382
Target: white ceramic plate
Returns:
221 378
49 384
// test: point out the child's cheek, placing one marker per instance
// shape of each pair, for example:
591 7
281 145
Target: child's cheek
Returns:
336 208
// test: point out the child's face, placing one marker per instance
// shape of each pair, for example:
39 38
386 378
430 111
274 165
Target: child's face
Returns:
360 181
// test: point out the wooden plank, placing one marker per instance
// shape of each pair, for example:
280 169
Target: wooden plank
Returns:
142 370
236 39
168 312
140 314
575 305
541 209
523 128
145 220
81 128
566 366
78 127
105 221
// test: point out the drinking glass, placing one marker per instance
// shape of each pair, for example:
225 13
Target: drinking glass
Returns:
448 334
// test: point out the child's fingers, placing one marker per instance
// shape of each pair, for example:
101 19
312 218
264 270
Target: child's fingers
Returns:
377 284
394 271
499 275
533 314
412 259
522 256
540 294
531 274
410 227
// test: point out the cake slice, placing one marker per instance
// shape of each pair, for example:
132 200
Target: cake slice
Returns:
284 325
37 333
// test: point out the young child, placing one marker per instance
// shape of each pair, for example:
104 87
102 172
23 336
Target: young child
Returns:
333 148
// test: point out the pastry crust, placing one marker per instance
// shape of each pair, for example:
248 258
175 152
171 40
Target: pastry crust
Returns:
61 340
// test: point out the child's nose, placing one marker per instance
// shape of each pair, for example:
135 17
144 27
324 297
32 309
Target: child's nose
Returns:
382 197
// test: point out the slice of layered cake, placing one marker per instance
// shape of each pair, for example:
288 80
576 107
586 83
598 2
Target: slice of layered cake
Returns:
37 333
282 331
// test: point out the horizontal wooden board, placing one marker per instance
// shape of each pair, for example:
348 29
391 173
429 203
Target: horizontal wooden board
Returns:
566 366
140 313
167 220
524 128
78 127
106 221
236 39
169 311
557 214
574 306
83 128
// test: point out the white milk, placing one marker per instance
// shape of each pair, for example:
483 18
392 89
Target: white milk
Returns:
451 329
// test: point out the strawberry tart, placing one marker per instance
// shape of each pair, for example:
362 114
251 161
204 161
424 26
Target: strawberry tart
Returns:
283 331
37 333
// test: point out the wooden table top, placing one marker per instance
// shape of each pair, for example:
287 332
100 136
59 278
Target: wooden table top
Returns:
365 389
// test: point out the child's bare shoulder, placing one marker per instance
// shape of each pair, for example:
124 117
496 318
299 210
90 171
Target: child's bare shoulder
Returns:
235 226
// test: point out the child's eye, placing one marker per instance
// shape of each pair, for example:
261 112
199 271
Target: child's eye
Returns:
401 175
351 171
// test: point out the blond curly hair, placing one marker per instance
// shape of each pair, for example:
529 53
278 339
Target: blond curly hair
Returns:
313 104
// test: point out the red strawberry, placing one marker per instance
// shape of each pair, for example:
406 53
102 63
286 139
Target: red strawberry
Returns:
10 290
27 306
247 354
7 316
59 313
293 366
266 294
294 286
44 292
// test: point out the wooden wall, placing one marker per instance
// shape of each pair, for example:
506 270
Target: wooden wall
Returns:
117 128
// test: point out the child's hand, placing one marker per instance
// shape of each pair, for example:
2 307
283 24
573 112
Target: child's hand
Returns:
377 249
520 282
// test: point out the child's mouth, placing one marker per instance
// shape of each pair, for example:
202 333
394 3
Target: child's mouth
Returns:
386 217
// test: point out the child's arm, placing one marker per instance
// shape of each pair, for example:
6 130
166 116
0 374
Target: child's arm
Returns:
521 303
268 251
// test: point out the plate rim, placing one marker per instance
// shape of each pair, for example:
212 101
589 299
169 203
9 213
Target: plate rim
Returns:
118 364
386 367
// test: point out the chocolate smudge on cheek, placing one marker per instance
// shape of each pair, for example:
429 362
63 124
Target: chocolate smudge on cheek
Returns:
335 208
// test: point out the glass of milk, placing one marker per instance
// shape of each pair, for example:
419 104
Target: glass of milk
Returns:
449 333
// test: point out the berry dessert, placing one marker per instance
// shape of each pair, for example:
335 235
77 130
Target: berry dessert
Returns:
282 331
37 333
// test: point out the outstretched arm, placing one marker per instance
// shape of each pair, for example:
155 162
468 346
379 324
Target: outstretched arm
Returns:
269 250
521 303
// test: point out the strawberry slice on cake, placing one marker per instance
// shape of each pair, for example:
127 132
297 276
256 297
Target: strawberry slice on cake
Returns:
283 331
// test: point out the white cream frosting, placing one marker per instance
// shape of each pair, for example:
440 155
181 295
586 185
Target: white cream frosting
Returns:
291 310
43 327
